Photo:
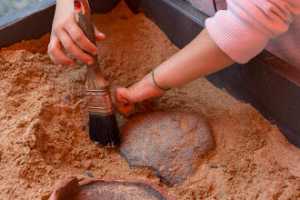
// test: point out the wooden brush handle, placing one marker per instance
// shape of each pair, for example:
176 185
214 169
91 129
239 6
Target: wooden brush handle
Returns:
85 23
97 87
94 71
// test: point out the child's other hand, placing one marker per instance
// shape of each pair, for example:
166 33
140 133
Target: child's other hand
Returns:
124 102
127 97
67 37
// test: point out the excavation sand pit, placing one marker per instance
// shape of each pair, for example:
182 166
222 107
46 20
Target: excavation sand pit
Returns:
43 123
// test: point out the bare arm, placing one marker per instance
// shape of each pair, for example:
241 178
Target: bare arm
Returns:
199 58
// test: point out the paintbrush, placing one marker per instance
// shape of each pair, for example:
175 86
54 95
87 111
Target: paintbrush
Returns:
103 127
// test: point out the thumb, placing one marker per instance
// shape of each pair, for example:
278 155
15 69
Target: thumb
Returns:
99 35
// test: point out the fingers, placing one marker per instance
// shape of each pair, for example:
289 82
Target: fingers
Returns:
72 48
122 96
123 103
79 38
68 38
99 35
56 54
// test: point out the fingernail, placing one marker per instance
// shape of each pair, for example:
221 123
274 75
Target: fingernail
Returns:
126 102
101 36
90 62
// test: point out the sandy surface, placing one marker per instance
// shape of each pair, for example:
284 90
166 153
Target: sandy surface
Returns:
42 123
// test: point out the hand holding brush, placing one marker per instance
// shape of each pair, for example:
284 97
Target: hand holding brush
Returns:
103 127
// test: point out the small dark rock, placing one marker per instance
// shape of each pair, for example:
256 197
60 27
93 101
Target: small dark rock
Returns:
170 143
89 174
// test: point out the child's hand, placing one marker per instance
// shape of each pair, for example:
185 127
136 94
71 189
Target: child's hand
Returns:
67 37
124 102
127 97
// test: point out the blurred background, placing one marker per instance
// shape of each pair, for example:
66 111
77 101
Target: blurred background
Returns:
10 6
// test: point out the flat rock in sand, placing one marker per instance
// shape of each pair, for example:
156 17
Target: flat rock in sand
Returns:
170 143
95 189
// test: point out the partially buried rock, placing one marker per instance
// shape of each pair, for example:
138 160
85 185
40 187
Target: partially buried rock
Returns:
170 143
95 189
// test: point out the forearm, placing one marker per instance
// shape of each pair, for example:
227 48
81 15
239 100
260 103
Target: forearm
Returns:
65 4
199 58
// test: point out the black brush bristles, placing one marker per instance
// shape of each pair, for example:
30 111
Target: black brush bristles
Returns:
104 129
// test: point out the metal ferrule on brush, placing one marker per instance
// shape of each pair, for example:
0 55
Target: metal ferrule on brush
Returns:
99 101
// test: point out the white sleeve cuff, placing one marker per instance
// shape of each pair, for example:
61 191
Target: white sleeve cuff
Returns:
239 40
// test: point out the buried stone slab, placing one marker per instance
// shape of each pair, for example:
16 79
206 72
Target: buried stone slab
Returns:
95 189
170 143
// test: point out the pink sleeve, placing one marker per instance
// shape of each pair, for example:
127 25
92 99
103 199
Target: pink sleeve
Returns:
244 29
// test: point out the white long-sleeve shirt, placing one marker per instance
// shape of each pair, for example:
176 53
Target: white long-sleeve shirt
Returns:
246 27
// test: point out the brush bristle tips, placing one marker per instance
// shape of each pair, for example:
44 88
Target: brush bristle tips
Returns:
104 130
